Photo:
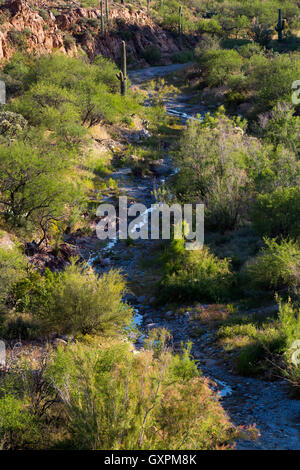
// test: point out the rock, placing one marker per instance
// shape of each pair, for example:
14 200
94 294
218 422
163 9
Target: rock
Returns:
159 167
31 248
150 326
169 314
67 338
48 31
59 342
140 339
130 298
105 262
141 299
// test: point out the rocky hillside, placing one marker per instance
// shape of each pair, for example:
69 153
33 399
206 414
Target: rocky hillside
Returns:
41 27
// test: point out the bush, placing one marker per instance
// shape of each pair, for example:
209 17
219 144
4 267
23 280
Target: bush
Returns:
152 55
255 343
220 65
69 41
67 94
277 266
182 57
19 38
39 189
18 426
11 124
289 317
77 301
118 400
194 275
212 159
252 357
205 44
278 213
12 269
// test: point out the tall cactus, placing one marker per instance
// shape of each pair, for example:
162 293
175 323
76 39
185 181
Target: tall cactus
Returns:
107 11
102 18
122 76
148 5
280 25
180 29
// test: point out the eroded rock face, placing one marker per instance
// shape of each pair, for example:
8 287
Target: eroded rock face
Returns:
45 31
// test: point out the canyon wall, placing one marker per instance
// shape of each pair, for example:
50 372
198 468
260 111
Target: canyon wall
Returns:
41 27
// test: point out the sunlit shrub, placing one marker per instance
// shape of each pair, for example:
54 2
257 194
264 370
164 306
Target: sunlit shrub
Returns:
194 275
277 266
117 400
77 301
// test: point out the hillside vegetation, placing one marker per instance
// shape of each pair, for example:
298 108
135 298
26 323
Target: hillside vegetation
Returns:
75 377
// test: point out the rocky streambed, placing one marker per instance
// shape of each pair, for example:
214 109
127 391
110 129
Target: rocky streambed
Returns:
248 401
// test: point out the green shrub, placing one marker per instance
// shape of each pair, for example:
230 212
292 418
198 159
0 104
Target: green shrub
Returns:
19 428
252 357
12 269
118 400
278 213
194 275
277 266
255 344
11 124
212 159
183 57
205 44
77 301
43 14
220 65
289 317
69 41
39 189
152 55
67 93
19 38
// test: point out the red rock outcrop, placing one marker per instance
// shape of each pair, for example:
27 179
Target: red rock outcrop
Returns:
72 29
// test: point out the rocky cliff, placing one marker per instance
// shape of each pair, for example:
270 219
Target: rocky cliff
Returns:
41 27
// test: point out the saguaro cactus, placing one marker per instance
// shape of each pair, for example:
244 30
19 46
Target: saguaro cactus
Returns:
102 18
122 76
280 25
180 21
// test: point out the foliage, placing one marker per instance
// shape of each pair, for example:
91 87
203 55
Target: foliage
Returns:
150 400
152 55
278 213
221 65
18 426
33 182
12 269
194 275
11 124
67 93
275 267
212 162
19 38
77 301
